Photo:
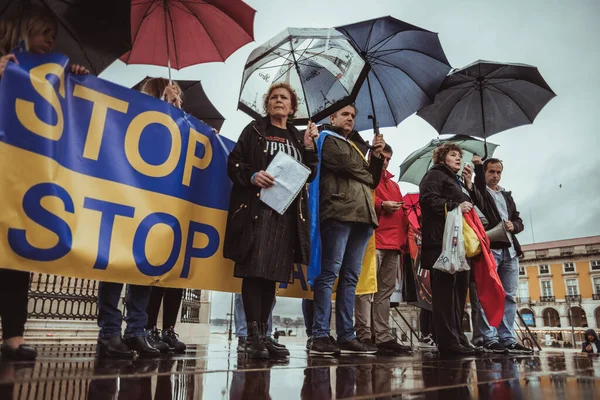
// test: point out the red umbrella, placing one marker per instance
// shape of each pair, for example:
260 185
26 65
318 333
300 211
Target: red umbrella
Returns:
180 33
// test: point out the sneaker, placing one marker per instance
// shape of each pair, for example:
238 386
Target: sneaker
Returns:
324 346
368 344
353 346
517 348
494 347
155 340
171 339
391 346
427 343
241 347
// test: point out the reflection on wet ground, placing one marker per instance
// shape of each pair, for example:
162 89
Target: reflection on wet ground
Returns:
214 371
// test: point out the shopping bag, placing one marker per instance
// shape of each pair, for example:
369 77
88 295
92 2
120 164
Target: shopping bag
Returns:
472 245
453 259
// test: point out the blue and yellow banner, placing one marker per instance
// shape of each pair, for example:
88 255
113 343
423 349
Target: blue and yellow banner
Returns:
103 182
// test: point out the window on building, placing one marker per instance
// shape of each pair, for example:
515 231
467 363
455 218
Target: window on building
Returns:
597 285
569 267
521 270
547 289
523 293
544 269
572 289
595 265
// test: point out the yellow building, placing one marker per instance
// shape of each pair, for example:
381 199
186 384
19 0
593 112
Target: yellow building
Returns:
559 287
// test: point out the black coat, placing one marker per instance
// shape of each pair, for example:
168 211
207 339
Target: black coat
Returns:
587 342
492 214
248 157
439 190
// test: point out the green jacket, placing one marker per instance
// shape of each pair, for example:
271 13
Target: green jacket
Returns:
346 183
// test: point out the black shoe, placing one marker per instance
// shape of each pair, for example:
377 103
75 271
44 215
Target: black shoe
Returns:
255 344
494 347
458 350
276 351
22 353
308 343
171 339
275 343
140 345
241 347
353 346
391 346
368 344
153 336
324 346
114 347
516 348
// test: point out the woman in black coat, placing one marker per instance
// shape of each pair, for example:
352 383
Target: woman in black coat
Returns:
442 190
264 244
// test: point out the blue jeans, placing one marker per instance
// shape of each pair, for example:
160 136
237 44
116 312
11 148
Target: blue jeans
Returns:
110 316
344 245
508 271
239 317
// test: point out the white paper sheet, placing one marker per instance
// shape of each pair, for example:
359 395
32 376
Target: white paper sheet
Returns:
290 176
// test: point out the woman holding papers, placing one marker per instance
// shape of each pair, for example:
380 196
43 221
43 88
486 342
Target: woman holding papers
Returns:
264 243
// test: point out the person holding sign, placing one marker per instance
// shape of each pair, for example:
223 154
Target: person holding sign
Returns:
37 32
263 243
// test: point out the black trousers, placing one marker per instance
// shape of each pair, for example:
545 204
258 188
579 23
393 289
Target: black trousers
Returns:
426 322
14 289
258 295
449 295
171 299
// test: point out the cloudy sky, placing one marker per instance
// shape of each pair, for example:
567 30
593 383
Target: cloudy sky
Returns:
562 146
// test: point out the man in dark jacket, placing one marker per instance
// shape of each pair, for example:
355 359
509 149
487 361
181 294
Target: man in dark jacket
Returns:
347 218
500 208
591 344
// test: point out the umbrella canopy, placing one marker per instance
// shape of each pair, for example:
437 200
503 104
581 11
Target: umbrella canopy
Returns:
320 64
91 33
416 165
412 209
195 102
487 97
180 33
407 66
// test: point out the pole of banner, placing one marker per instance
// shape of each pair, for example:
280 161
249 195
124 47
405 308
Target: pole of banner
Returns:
407 324
529 331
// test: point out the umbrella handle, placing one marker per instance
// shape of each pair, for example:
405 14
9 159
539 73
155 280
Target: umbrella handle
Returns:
485 155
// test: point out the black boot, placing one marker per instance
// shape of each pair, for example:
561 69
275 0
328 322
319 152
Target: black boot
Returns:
255 345
22 353
275 350
142 347
153 336
113 347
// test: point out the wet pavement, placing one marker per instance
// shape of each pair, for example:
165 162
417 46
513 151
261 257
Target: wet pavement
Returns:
214 371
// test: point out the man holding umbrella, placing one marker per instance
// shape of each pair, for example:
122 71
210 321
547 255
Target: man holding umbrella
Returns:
347 218
500 208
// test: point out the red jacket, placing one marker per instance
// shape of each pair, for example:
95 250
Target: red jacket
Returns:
392 233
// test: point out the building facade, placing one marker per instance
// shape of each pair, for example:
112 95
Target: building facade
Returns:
559 288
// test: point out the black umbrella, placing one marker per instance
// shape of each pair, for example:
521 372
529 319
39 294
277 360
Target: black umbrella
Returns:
407 66
91 33
487 97
195 102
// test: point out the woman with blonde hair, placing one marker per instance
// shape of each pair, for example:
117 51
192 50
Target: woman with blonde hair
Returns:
161 89
37 31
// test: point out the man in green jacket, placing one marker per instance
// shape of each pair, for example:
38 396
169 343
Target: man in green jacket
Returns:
347 218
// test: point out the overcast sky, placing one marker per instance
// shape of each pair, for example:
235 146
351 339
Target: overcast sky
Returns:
559 37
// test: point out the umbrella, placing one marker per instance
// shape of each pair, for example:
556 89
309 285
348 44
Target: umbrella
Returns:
407 66
320 64
195 102
412 209
180 33
91 33
487 97
416 165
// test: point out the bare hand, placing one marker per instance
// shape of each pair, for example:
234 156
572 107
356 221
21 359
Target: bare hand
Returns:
79 69
379 144
172 96
4 62
476 160
465 207
467 173
311 133
589 347
264 180
391 207
509 226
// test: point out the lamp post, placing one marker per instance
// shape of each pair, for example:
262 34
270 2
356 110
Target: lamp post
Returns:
230 316
570 315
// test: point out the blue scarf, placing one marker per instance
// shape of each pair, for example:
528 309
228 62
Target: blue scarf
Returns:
314 264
